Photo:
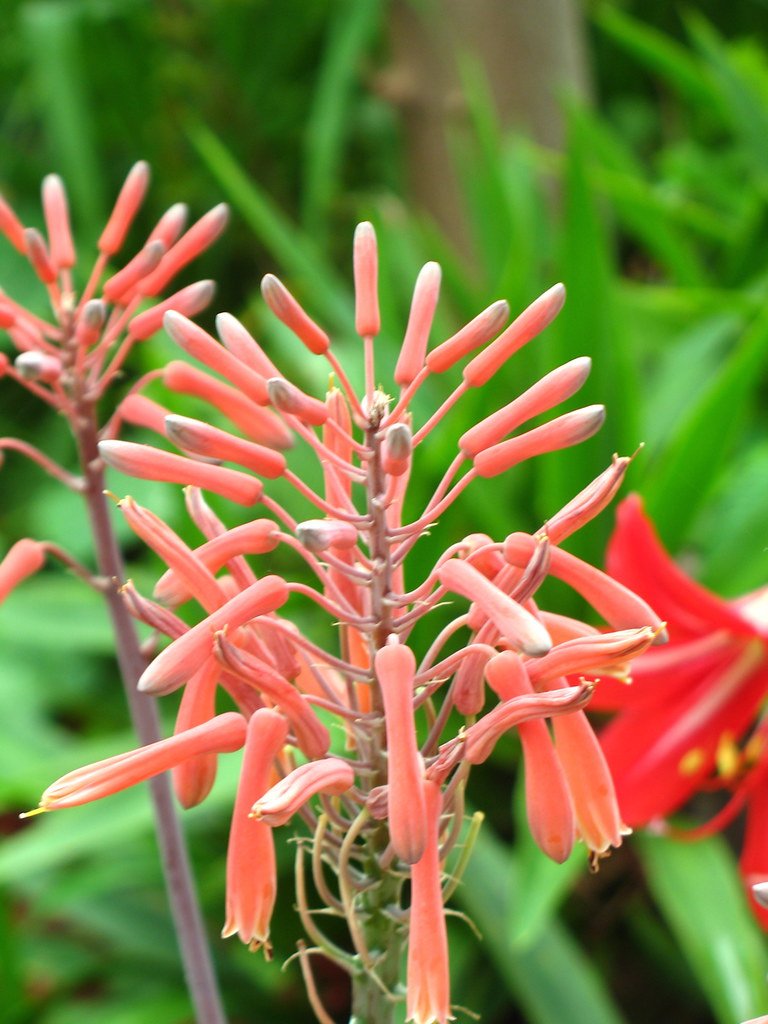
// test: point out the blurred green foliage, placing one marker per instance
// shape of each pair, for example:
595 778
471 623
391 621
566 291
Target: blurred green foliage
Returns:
660 234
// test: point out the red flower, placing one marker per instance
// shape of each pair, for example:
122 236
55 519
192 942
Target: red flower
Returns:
692 718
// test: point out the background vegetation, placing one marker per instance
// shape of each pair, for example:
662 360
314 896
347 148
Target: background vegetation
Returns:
653 213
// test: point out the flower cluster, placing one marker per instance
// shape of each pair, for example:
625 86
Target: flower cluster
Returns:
383 801
693 719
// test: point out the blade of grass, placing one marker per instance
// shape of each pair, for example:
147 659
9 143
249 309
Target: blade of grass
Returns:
697 889
551 978
321 287
53 35
688 468
349 34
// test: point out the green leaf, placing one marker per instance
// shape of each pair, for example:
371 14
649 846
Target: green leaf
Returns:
660 54
348 35
698 449
546 883
697 888
552 979
53 34
294 251
590 324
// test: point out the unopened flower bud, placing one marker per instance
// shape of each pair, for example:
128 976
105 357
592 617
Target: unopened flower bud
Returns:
37 252
413 351
473 335
531 322
90 323
201 439
56 212
38 366
366 270
125 209
321 534
563 432
396 454
289 399
288 310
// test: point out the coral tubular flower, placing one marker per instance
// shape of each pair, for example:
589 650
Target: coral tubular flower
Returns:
24 559
395 667
692 718
219 735
547 796
329 775
428 981
174 665
251 872
372 741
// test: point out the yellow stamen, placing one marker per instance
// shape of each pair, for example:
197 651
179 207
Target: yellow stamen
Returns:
728 757
691 762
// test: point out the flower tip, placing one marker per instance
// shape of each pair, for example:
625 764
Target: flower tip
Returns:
173 322
36 810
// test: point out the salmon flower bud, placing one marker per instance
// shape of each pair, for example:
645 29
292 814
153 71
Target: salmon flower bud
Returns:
481 738
177 663
556 387
288 310
414 348
606 653
12 228
251 870
127 205
148 463
172 549
396 453
220 735
23 559
140 411
531 322
516 625
201 439
117 287
428 999
321 534
201 346
56 213
170 226
588 503
619 606
243 345
312 736
489 562
330 775
37 253
589 779
289 399
473 335
259 424
365 257
563 432
153 615
395 668
7 316
90 323
547 798
257 537
194 777
188 301
38 366
192 243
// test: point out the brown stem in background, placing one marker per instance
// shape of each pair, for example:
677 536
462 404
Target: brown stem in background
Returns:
180 886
